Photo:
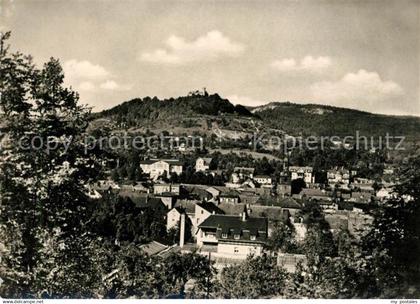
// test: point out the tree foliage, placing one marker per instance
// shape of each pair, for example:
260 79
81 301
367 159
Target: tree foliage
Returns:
257 277
43 189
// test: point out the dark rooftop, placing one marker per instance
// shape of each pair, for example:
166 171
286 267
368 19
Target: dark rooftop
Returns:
243 170
234 225
188 206
290 203
153 247
169 161
210 207
230 194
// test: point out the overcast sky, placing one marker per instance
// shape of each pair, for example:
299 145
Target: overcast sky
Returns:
360 54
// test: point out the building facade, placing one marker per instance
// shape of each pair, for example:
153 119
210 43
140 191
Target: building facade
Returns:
338 176
263 179
305 173
159 167
166 188
233 236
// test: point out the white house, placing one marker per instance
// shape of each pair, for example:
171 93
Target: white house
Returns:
229 198
233 236
158 167
173 217
202 164
384 194
242 173
166 188
305 173
336 176
364 184
263 179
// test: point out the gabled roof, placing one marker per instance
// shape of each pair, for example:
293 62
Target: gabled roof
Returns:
207 160
231 194
198 191
289 203
213 191
232 209
148 202
249 183
180 210
188 206
210 207
169 161
249 198
273 213
153 248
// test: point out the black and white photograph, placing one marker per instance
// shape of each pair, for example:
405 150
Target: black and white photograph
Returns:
209 150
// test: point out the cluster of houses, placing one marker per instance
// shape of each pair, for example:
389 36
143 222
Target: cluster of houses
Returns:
233 221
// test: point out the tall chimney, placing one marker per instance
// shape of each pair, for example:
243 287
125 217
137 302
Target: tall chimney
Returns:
248 208
244 216
182 231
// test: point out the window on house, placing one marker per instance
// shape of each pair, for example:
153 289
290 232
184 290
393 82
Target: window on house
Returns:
237 236
253 237
224 235
236 249
202 212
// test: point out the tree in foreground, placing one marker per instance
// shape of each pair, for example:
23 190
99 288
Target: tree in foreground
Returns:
392 247
44 218
283 238
256 277
384 263
134 274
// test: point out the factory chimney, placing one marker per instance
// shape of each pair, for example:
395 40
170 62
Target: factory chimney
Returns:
182 231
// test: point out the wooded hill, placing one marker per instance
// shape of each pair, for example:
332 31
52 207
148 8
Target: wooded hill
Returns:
294 119
312 119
